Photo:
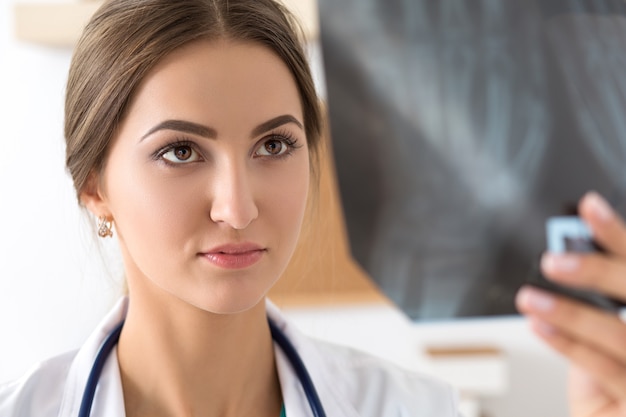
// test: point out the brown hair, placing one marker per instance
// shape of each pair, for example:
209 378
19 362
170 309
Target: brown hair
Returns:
125 39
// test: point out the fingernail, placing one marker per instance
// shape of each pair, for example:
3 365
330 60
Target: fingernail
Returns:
551 263
599 206
535 299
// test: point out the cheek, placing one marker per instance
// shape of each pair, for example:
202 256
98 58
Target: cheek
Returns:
286 203
149 207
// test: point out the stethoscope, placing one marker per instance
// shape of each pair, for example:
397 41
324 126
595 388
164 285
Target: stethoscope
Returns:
277 335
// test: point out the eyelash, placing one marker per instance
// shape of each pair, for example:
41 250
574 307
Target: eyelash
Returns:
283 136
286 138
177 143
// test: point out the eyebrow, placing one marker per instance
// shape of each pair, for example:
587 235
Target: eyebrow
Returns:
183 126
276 122
210 133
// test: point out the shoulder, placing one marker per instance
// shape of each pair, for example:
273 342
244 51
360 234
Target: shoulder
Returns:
379 388
39 391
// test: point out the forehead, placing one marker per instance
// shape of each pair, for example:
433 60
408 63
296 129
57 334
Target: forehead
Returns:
218 82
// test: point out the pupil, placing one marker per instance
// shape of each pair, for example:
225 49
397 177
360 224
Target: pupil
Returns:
182 153
273 147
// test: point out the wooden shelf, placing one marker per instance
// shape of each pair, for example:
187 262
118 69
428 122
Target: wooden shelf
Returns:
53 24
60 24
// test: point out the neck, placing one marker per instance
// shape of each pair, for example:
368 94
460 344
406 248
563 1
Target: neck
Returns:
180 360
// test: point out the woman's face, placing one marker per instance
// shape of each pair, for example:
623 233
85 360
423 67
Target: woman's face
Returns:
207 178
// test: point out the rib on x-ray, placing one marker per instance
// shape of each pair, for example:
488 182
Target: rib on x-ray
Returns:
459 127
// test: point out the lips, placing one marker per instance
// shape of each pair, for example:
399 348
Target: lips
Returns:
234 256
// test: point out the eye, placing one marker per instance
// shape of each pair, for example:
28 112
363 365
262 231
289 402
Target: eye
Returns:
277 145
272 147
180 154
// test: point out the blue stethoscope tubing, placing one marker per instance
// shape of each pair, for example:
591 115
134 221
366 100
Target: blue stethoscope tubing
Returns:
277 335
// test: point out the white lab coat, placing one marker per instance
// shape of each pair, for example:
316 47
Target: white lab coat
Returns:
349 383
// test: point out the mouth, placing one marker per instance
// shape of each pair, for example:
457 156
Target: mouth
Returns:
238 256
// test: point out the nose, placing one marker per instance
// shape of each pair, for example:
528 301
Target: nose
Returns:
233 200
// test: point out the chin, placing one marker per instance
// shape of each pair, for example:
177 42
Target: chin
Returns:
228 302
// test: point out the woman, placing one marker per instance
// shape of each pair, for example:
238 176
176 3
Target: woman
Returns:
592 340
192 128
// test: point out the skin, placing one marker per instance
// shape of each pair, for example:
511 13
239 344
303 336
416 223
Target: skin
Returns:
592 340
203 324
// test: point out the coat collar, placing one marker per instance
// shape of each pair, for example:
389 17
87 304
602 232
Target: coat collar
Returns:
109 398
324 375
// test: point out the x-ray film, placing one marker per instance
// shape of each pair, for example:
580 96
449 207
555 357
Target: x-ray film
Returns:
459 127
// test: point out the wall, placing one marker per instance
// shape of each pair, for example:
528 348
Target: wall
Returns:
56 278
51 271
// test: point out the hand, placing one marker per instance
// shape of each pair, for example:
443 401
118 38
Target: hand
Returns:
594 341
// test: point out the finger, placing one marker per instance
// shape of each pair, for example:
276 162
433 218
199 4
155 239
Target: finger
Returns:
597 272
592 326
582 383
606 225
608 372
586 396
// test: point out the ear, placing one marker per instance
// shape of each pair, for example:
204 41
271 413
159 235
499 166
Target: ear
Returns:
93 197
